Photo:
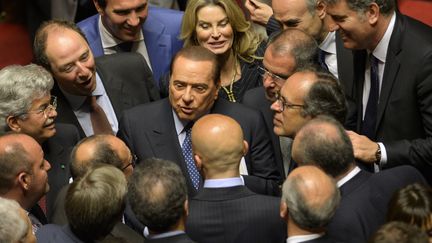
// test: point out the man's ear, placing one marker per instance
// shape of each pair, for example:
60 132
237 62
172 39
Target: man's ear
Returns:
12 123
245 147
198 162
283 210
321 9
186 207
24 180
98 7
373 13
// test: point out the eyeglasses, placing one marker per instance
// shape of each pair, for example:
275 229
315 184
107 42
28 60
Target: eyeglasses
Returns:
132 163
266 73
44 110
282 103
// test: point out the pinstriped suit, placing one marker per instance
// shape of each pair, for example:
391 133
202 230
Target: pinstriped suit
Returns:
234 214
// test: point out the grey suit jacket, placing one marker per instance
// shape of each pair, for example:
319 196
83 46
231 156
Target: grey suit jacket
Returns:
234 214
128 82
149 131
404 116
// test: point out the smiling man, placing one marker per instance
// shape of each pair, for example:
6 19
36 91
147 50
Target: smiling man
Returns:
28 107
162 129
133 26
393 77
91 94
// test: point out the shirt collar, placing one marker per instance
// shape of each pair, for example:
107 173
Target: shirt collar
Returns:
348 177
162 235
329 43
380 51
108 40
225 182
76 101
301 238
179 124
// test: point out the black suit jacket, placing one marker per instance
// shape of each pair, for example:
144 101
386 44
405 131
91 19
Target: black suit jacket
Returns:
57 151
149 131
127 80
182 238
255 98
364 202
404 119
234 214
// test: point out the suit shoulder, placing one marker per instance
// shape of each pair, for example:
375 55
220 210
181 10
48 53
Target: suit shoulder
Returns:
253 97
66 132
119 60
151 109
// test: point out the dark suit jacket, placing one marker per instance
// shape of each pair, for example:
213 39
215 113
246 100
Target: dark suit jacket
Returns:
161 32
51 233
57 151
404 119
323 239
234 214
365 201
120 230
183 238
255 98
127 80
149 131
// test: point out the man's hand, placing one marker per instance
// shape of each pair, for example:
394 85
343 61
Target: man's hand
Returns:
259 12
364 149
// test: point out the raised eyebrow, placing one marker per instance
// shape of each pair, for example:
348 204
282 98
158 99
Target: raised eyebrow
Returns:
224 19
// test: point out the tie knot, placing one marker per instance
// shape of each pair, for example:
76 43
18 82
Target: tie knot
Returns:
92 101
125 46
188 127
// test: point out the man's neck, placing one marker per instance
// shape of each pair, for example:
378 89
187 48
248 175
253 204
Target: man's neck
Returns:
294 230
381 27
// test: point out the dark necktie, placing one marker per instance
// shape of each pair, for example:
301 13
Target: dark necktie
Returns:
370 117
124 46
98 117
188 156
321 59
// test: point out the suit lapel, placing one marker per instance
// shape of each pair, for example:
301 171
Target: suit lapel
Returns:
113 88
392 66
345 66
359 67
158 45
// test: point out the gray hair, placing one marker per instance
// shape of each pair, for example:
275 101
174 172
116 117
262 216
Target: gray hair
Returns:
13 227
297 43
301 212
20 86
360 6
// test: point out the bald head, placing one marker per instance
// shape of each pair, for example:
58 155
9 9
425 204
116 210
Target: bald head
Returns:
100 149
218 145
323 142
310 196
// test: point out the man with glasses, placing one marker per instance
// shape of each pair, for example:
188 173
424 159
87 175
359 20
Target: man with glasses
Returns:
26 106
94 151
305 95
287 51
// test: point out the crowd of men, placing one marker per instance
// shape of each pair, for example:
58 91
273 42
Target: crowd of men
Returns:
343 120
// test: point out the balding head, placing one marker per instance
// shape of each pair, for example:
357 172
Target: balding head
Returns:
101 149
309 198
23 169
218 145
323 142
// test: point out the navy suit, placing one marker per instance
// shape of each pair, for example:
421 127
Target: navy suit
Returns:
161 32
57 151
404 115
149 131
127 80
365 201
234 214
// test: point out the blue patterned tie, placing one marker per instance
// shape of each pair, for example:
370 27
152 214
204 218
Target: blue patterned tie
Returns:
188 157
370 117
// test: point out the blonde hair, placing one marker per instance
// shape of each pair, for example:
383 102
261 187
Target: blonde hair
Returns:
246 41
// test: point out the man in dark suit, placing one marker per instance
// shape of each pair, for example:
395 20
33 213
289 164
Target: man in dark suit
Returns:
224 210
94 204
323 142
158 129
91 96
124 26
309 200
89 152
290 50
158 196
28 107
23 173
392 87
